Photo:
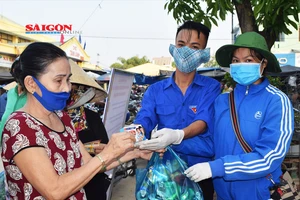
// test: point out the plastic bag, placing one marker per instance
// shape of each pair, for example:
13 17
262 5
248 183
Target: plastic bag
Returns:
3 186
164 179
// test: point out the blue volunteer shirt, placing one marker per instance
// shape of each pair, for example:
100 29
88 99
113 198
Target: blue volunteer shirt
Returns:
164 105
3 100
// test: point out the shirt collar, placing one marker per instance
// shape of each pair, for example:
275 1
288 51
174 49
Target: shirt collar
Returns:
198 79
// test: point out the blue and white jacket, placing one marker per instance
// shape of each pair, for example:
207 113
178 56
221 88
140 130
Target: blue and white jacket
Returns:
266 120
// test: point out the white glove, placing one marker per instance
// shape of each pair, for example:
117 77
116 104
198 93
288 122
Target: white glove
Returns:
162 138
199 172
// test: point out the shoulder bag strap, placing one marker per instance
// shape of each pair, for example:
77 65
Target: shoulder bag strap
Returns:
236 128
235 124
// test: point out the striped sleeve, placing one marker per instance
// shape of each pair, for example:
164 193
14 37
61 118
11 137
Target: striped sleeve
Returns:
270 149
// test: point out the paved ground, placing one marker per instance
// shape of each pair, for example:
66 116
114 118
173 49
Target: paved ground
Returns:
125 188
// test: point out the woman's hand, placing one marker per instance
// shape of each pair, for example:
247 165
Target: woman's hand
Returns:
145 154
98 149
161 152
119 144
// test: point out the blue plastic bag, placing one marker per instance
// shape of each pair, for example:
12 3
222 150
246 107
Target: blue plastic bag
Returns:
164 179
3 187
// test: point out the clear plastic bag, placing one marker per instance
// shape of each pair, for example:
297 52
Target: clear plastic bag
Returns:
164 179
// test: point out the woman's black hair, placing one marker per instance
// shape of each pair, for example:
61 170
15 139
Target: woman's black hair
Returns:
34 60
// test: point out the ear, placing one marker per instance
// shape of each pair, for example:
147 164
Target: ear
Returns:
264 63
30 84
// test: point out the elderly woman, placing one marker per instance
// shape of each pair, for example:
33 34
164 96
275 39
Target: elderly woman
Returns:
42 155
244 163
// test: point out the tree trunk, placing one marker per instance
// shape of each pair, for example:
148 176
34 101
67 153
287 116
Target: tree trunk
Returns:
245 16
270 37
247 21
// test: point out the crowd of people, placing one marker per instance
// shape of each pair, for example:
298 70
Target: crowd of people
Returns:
45 136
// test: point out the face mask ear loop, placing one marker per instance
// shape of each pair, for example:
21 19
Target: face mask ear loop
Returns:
261 62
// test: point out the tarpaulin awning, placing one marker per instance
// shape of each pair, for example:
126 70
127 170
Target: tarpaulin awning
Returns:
149 69
6 76
211 72
104 77
286 70
141 79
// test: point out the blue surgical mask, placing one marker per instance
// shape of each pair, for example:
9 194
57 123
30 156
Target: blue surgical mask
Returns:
245 73
51 100
187 59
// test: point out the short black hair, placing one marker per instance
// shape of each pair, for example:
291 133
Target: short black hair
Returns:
191 25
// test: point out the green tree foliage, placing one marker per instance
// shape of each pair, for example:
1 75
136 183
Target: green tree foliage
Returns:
277 82
131 62
229 80
267 17
173 64
211 63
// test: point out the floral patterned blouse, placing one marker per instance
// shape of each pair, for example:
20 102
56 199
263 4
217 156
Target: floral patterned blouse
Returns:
24 131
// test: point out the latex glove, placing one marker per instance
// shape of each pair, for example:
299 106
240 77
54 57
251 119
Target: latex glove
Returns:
199 172
162 138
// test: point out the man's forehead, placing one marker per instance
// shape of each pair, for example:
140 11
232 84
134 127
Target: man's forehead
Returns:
191 36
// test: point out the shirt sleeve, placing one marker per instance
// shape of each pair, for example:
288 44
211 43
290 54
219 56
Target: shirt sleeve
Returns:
200 145
268 151
206 111
147 116
19 133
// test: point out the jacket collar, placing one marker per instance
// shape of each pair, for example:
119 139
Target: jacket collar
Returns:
252 89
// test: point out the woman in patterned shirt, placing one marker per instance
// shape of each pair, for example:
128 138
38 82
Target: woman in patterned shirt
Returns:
41 153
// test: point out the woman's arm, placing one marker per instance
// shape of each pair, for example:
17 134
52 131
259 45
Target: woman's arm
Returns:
36 166
86 157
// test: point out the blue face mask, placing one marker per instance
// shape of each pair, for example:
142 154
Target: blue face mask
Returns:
245 73
187 59
51 100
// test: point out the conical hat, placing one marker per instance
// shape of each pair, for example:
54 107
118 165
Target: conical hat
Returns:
10 85
79 76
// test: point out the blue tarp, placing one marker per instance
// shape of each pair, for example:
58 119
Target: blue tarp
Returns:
2 185
104 77
141 79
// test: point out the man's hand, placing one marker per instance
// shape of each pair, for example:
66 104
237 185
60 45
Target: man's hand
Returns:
199 172
161 139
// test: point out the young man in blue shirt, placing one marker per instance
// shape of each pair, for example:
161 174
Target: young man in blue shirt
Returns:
182 106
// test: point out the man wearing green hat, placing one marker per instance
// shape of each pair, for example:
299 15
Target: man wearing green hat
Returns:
266 122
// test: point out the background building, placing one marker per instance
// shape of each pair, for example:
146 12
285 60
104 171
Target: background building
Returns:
13 40
287 48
